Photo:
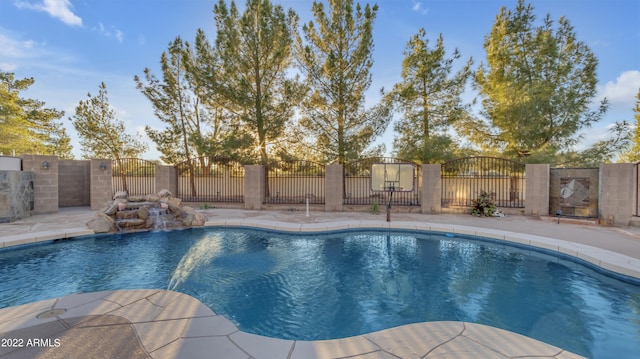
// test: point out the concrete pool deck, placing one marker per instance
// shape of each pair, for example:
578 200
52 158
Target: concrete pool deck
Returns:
164 324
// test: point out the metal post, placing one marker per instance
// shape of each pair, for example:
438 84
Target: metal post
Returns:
389 206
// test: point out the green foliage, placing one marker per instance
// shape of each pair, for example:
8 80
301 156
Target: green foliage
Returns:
602 151
102 135
429 99
255 57
374 209
26 126
207 206
632 154
336 58
536 87
175 104
483 206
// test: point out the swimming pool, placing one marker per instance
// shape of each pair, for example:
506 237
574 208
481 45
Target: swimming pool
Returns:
321 286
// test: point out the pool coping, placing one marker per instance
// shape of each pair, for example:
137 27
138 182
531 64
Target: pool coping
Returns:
174 325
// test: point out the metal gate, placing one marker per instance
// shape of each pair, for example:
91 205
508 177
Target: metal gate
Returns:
357 184
295 181
463 179
135 176
210 179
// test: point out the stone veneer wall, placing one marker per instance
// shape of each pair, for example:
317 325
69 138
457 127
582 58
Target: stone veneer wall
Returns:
577 199
16 195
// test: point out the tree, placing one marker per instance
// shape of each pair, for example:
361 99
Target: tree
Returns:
225 136
633 152
174 103
255 54
102 135
603 151
337 59
430 101
536 87
26 126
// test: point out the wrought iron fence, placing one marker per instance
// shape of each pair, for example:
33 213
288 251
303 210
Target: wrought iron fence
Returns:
294 182
210 179
134 176
357 184
463 179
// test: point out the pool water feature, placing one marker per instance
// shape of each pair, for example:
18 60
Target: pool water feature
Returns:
323 286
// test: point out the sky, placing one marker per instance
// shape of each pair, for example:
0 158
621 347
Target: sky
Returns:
70 46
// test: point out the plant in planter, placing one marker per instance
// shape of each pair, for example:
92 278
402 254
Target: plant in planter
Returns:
483 206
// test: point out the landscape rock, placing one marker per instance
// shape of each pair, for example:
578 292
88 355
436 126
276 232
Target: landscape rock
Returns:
102 224
132 213
143 213
198 220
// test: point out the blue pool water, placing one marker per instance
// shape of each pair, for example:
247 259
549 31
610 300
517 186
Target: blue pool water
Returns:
343 284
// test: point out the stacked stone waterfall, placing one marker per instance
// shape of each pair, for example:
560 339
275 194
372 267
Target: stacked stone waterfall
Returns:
131 213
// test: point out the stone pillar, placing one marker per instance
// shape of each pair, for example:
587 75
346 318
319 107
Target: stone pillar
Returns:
101 183
167 178
536 190
431 189
334 188
253 186
45 182
616 193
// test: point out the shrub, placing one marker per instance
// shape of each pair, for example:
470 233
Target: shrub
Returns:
483 206
374 209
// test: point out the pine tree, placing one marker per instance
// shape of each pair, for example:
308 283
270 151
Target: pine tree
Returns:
175 104
255 55
102 135
26 126
224 136
336 57
430 101
536 87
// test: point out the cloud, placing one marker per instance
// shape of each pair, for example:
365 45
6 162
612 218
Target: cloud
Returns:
111 32
8 67
14 51
59 9
417 6
11 48
624 90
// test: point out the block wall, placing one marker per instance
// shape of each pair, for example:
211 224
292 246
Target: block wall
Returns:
45 182
334 188
166 178
431 189
101 183
74 183
254 184
617 196
537 190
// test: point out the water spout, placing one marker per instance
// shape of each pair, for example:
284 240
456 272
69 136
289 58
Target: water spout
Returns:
200 253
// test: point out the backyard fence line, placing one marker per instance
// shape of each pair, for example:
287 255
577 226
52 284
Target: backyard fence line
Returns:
464 179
